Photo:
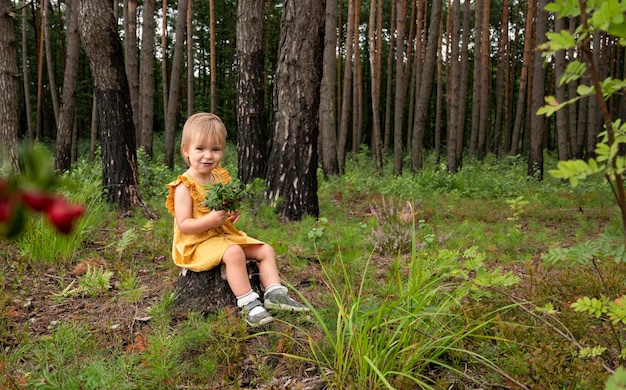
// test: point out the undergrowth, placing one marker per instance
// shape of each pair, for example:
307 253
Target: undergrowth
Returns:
396 269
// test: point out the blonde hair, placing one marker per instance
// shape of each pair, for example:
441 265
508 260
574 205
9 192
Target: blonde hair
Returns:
203 128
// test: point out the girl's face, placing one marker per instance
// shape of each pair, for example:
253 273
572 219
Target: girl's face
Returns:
204 155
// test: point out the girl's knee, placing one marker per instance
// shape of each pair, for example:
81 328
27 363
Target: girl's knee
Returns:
233 253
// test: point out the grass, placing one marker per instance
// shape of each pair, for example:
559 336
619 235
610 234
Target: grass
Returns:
452 308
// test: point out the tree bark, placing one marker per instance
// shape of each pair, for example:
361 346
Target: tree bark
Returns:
388 88
251 118
357 94
485 77
463 84
327 116
173 99
130 60
208 292
347 88
9 85
292 167
146 69
374 39
400 80
502 79
67 116
190 60
54 96
213 54
25 72
102 44
535 160
453 85
523 79
561 115
426 85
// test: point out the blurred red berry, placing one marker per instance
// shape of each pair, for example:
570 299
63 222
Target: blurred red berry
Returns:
37 200
6 208
63 214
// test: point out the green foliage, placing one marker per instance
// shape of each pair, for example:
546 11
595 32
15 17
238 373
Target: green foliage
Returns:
595 17
370 339
225 196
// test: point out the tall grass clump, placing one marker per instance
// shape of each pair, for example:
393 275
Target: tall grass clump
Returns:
41 243
410 332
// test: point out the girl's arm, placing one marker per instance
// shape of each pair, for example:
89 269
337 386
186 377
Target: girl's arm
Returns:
183 213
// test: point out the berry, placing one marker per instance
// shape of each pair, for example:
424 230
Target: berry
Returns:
63 214
37 200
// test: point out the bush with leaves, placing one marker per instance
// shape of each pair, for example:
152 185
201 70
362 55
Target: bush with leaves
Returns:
605 17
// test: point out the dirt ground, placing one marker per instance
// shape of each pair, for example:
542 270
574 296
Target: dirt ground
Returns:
32 303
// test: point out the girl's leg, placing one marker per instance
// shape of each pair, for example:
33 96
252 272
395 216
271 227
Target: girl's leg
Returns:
276 296
237 276
266 258
236 272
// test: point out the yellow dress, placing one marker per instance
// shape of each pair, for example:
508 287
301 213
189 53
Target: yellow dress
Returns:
203 251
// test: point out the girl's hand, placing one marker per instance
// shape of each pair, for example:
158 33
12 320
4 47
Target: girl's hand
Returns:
217 218
234 216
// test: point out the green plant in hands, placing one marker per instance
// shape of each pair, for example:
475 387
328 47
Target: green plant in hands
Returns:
226 196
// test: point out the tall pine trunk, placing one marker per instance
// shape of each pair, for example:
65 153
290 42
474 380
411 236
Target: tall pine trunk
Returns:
292 166
9 85
251 118
67 114
327 116
102 44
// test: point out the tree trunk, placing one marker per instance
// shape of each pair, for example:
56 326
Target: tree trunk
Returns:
103 46
213 55
374 40
485 77
463 84
327 121
130 59
523 79
173 100
146 69
9 85
347 88
476 86
54 96
501 79
25 72
67 117
398 116
251 118
389 86
164 55
357 95
207 292
535 160
454 85
439 92
426 84
190 60
561 115
292 167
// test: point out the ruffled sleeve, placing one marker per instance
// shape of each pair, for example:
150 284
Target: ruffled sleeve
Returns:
189 183
169 201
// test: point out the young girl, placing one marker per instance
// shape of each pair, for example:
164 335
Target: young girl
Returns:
203 238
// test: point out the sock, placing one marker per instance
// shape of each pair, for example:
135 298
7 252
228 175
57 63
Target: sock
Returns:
248 298
274 287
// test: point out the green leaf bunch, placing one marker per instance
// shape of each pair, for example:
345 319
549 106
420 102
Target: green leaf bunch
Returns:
225 196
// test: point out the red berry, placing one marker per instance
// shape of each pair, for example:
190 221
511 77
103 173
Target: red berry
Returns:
6 209
62 214
37 200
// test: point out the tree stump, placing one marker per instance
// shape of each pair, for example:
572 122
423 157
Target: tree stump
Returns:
207 292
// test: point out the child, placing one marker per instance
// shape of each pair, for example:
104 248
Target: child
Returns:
203 238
